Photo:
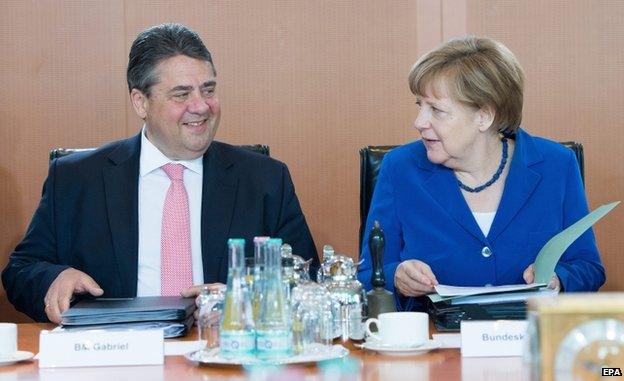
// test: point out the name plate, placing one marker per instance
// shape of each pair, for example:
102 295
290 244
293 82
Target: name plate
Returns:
496 338
100 348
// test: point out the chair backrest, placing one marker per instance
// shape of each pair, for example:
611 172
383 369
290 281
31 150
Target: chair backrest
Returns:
370 162
60 152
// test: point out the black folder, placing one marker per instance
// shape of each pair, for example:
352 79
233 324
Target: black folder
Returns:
447 317
161 311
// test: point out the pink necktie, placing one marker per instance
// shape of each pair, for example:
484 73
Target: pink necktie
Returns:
176 270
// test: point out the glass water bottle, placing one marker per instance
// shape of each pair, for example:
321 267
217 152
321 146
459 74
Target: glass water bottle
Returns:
260 249
237 330
273 328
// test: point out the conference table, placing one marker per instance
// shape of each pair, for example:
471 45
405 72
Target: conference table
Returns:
364 365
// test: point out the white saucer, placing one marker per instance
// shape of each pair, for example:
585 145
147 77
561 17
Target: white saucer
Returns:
389 350
15 357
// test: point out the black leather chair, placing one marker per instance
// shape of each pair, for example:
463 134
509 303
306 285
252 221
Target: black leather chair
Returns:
60 152
370 162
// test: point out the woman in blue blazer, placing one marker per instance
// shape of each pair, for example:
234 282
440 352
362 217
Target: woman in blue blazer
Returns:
473 201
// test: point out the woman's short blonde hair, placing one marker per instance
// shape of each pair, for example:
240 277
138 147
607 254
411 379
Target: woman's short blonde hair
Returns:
477 72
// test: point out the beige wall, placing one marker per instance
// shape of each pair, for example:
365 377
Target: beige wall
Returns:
316 80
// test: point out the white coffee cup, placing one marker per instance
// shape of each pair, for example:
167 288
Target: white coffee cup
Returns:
400 328
8 339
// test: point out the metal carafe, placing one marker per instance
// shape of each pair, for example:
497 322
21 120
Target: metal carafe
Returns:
300 267
338 274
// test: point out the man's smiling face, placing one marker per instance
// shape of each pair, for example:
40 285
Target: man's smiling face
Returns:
182 110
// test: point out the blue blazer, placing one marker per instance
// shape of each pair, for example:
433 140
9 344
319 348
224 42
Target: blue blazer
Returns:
88 219
424 216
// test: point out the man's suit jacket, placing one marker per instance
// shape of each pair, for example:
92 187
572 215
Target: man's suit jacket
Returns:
425 217
88 219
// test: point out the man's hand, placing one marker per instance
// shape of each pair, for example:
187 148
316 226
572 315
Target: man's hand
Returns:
194 291
66 284
529 277
414 278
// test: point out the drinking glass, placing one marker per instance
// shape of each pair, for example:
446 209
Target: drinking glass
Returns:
312 318
210 305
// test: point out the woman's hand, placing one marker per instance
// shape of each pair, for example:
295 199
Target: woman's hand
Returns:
414 278
529 277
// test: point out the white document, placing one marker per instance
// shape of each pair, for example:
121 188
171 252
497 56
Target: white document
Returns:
446 291
519 296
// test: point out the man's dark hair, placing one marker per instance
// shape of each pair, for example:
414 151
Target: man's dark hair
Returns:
156 44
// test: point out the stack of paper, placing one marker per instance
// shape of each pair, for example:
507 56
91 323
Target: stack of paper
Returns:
489 295
170 328
173 314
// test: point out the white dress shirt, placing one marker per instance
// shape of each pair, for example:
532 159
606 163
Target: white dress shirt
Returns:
153 186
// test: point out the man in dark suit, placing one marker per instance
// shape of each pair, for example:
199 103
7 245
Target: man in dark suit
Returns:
104 219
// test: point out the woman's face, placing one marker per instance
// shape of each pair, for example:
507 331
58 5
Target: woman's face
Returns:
448 128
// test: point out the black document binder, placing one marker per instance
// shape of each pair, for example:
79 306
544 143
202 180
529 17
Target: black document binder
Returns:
447 317
172 313
124 310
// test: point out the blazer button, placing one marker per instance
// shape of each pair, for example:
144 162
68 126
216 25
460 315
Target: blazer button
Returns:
486 252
